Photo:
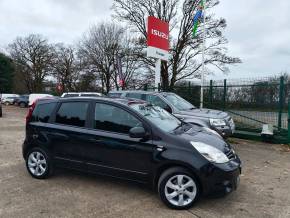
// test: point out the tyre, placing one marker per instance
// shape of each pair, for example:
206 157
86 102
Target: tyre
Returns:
38 163
7 103
22 105
178 188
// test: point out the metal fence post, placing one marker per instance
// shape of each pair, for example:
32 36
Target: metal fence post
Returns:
225 94
210 93
281 101
159 87
288 122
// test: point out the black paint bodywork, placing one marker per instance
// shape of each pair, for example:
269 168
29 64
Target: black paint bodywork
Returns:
141 160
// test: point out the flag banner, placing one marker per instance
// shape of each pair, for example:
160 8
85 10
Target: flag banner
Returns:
197 18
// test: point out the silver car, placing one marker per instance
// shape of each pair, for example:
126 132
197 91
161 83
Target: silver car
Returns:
216 120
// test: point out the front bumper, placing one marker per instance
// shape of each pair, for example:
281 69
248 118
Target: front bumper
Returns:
224 131
221 179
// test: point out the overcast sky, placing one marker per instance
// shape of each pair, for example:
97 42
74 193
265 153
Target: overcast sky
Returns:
258 31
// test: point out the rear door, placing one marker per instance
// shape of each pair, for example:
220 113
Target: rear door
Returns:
68 133
112 151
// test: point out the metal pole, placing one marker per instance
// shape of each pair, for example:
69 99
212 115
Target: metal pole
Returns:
203 57
281 102
211 94
225 94
288 121
157 73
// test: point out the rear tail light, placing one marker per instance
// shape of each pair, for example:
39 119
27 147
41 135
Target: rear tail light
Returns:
30 111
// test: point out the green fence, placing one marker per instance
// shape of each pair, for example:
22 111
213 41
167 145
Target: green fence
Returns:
251 103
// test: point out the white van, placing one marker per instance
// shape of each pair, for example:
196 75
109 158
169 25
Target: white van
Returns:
3 95
33 97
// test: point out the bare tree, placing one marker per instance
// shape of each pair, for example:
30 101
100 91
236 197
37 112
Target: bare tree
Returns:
33 56
65 67
99 48
185 50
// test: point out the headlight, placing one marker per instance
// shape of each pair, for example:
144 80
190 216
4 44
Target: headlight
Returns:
217 122
210 153
212 131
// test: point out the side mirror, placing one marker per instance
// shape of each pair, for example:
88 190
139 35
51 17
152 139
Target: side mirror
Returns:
137 132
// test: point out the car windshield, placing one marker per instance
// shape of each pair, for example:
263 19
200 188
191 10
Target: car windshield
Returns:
158 116
178 102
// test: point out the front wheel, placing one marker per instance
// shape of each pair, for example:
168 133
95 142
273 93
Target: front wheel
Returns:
38 163
178 188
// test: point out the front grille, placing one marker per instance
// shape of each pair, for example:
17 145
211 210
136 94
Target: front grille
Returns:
230 154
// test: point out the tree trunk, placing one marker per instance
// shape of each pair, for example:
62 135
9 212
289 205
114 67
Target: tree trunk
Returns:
164 76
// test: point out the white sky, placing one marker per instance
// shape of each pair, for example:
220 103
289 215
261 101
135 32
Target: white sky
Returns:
258 30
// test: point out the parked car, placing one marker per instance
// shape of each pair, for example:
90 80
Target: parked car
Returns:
132 140
219 121
81 94
8 100
22 101
34 97
5 95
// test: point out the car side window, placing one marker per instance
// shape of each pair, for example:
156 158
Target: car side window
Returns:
134 95
114 119
72 113
43 112
157 101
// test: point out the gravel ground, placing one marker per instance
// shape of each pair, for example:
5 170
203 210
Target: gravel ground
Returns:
264 190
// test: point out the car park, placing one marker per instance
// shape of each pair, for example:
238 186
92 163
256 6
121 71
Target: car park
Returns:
218 121
81 94
132 140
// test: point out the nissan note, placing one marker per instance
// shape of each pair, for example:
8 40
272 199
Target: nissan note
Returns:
132 140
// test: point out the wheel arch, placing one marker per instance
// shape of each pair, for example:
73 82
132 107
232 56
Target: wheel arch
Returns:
167 166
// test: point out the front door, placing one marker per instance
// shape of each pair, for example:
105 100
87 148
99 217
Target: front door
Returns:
112 151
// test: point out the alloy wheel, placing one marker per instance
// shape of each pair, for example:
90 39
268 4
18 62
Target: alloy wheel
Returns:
37 164
180 190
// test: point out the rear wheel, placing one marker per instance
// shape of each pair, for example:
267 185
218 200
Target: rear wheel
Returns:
22 105
178 188
38 163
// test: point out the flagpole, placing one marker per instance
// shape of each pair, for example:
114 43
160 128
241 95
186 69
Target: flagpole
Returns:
203 56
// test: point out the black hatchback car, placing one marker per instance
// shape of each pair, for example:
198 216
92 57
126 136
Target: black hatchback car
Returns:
132 140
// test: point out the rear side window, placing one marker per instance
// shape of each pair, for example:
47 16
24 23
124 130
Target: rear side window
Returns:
43 112
134 95
72 113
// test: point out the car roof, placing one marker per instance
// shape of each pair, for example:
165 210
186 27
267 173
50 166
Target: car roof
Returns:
140 92
125 101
